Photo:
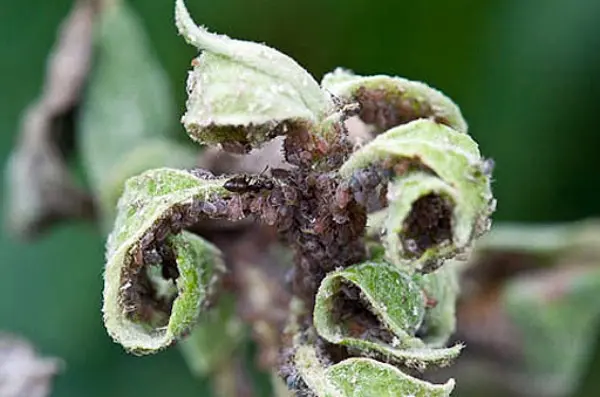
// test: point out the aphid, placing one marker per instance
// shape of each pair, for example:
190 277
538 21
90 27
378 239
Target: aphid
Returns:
177 221
364 180
430 302
208 208
322 145
201 173
138 256
151 256
345 106
236 208
411 246
350 291
161 231
280 173
487 167
342 195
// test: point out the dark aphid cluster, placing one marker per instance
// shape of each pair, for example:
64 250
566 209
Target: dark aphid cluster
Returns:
428 224
384 110
368 189
353 313
138 294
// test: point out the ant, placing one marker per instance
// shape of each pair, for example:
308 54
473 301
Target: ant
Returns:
248 184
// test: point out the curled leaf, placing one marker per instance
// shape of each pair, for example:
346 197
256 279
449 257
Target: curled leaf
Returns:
373 307
158 279
242 92
394 298
439 196
387 102
362 377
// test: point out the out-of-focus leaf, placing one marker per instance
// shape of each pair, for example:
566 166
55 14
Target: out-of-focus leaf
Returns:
158 279
545 240
128 115
210 350
556 314
40 187
211 344
528 310
22 372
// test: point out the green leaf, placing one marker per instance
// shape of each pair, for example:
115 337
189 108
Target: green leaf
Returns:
441 288
244 92
557 315
394 298
212 343
362 377
154 208
128 114
436 174
408 100
545 240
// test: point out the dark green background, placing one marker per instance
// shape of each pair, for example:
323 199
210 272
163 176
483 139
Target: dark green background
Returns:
525 74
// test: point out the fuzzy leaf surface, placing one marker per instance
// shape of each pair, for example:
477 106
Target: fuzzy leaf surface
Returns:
441 162
362 377
244 92
154 207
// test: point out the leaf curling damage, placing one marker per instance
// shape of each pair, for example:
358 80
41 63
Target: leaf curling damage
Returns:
385 110
428 224
356 317
149 286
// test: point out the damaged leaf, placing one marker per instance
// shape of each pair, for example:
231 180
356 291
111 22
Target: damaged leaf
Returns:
158 278
387 102
242 92
439 196
362 377
373 307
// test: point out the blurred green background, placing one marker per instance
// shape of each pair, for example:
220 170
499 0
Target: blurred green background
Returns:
525 74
